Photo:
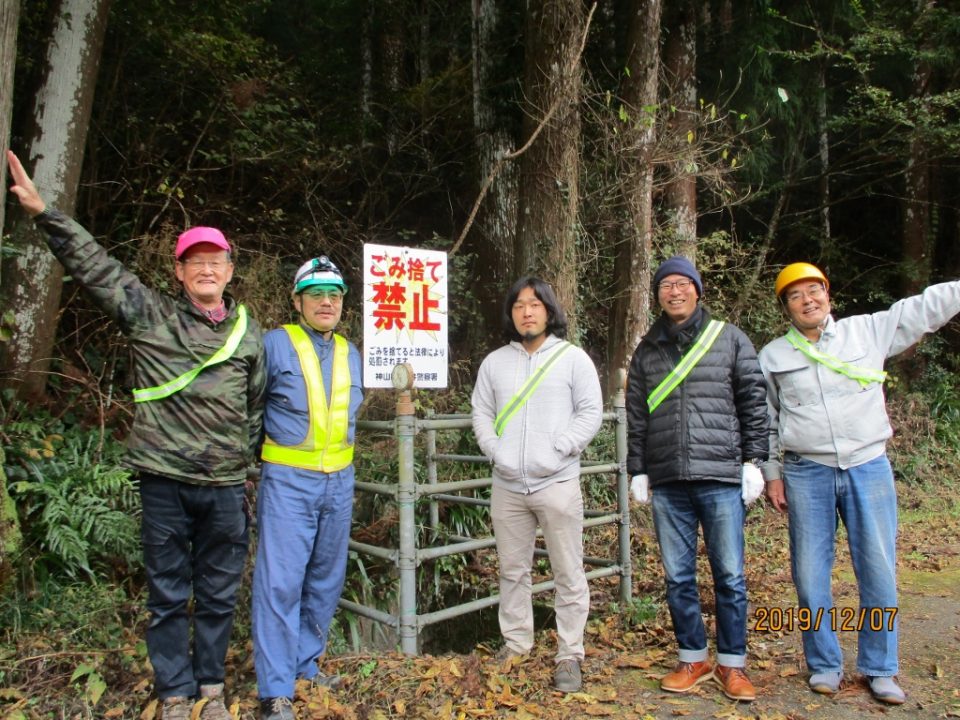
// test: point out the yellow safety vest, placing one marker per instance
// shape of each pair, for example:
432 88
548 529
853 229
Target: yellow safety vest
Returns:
325 447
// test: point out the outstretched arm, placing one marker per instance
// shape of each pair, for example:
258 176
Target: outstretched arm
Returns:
23 187
114 289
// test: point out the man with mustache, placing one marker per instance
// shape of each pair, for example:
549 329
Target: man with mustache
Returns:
536 405
314 390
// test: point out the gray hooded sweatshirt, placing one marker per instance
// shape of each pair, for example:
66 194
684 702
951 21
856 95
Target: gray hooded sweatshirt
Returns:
542 442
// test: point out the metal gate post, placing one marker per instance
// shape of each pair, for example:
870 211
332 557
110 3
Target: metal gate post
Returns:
432 472
623 490
406 500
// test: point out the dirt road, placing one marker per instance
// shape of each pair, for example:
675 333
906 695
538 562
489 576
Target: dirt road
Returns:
929 653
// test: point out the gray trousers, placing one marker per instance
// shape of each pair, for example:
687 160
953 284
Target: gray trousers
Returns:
558 509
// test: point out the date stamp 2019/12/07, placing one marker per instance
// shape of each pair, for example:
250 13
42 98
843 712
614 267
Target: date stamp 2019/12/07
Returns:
842 619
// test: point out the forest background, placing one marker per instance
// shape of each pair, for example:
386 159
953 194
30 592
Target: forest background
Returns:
582 142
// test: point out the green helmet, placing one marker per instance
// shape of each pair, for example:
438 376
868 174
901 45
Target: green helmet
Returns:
318 272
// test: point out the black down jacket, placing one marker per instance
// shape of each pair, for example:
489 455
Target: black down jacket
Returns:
715 420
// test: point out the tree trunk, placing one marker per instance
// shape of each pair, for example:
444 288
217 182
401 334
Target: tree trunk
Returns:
10 536
549 188
917 195
9 18
680 64
629 316
824 142
497 217
424 39
366 72
61 117
391 52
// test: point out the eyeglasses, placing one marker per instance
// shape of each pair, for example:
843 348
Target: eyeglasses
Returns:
321 294
681 285
814 292
195 264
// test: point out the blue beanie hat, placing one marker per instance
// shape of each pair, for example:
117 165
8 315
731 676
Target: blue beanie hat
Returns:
678 265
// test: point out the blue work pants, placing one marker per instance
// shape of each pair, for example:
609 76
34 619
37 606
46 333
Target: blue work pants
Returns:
303 524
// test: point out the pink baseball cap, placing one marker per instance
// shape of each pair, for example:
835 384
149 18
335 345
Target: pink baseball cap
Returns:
198 235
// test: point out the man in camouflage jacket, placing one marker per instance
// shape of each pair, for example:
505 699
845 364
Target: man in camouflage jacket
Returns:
190 447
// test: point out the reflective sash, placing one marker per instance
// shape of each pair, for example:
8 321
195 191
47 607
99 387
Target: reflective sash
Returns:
177 384
864 376
523 394
325 447
687 363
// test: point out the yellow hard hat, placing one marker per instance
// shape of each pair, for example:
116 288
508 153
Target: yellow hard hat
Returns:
799 271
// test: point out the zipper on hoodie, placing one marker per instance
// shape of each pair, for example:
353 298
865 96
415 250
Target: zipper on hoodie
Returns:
523 432
532 365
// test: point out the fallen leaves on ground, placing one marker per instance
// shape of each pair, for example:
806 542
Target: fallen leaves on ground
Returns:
624 658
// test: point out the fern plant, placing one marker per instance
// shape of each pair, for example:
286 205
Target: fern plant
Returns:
79 508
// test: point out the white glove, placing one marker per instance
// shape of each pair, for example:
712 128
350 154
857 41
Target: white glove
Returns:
640 489
751 483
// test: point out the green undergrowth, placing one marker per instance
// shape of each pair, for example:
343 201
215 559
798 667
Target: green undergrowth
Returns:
78 509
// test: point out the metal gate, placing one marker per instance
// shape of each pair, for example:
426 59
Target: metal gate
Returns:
407 492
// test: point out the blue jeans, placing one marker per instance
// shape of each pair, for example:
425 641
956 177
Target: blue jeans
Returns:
303 524
194 543
865 499
678 509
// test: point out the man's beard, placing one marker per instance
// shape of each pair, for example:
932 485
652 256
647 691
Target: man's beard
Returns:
531 335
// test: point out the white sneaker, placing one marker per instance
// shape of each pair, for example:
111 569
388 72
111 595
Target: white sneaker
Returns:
826 683
885 689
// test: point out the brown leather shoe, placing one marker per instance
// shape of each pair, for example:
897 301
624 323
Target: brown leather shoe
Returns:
686 676
735 683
